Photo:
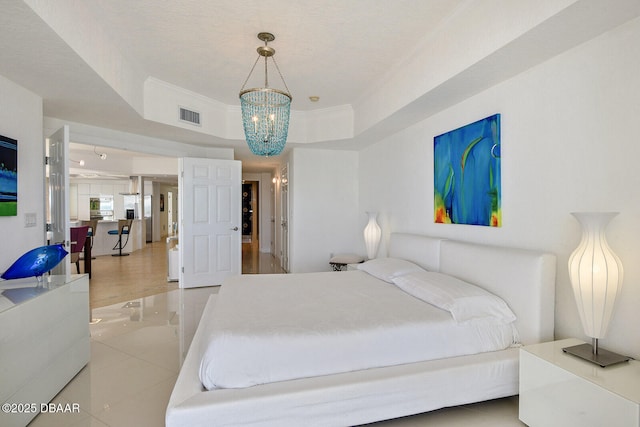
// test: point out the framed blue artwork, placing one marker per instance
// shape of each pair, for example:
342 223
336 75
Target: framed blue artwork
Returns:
466 167
8 176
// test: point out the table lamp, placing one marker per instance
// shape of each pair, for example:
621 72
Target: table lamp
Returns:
372 235
596 278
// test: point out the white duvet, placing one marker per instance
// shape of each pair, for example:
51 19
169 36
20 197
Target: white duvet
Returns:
268 328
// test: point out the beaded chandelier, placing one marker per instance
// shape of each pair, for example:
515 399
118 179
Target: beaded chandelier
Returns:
265 111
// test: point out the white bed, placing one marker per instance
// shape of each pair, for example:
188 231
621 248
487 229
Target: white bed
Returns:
524 279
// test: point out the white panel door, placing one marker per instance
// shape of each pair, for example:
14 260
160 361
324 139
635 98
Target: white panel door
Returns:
210 208
58 162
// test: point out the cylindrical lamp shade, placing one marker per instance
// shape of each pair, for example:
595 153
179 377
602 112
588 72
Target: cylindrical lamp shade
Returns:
595 272
372 234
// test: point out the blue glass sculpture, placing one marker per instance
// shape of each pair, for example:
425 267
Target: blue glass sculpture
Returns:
36 262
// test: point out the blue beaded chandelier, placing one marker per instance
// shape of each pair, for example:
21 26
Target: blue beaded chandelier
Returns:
265 111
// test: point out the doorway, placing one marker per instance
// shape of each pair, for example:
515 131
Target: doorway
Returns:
257 224
250 212
105 172
250 226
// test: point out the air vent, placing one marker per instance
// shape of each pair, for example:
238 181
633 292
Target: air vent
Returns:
189 116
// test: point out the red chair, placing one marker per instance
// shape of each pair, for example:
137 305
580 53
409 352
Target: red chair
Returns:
78 239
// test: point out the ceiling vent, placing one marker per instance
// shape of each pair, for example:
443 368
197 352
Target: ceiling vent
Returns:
189 116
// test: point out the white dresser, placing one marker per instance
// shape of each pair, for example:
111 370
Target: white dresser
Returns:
44 342
557 389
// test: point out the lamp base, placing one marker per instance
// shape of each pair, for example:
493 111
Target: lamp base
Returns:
603 358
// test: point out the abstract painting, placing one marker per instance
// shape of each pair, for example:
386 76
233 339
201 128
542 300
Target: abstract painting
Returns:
467 174
8 176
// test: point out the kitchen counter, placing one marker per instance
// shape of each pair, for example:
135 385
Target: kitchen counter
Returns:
103 242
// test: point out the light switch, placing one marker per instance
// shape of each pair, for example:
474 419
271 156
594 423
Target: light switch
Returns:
30 219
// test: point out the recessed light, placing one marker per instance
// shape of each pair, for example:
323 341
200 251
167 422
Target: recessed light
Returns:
314 98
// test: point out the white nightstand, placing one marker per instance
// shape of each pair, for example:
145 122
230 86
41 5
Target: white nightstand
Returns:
557 389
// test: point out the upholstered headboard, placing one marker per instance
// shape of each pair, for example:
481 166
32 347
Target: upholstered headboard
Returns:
421 250
525 279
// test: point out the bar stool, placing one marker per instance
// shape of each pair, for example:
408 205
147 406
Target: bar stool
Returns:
93 227
124 227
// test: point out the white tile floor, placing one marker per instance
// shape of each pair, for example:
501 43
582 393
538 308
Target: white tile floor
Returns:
136 350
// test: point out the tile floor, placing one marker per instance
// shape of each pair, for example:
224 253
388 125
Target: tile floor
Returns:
142 273
136 350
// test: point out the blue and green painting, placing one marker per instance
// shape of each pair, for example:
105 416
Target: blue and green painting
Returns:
8 176
467 174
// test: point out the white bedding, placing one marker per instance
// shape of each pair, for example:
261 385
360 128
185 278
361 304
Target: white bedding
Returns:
523 279
344 321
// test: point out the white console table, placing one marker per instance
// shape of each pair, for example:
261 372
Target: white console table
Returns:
557 389
44 342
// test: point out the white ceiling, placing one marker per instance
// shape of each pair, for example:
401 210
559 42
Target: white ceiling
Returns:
339 50
208 47
332 49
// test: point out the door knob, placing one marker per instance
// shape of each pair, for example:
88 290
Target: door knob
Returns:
235 229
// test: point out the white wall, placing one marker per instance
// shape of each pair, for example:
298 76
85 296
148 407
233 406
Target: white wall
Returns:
323 186
21 119
569 143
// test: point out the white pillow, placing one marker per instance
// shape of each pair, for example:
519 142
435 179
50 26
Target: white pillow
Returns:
388 268
463 300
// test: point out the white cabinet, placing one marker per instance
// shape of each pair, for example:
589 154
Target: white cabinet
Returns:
84 193
95 189
44 342
107 189
84 213
557 389
84 189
